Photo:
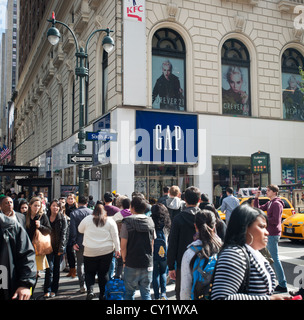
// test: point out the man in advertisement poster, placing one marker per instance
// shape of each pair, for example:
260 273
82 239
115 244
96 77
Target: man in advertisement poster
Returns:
235 99
168 89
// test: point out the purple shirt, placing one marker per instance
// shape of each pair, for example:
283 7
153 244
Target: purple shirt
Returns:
111 210
274 214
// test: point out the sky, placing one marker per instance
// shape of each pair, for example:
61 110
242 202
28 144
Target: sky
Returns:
3 4
2 15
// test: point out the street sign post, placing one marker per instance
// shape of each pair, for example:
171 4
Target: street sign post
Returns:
101 136
260 162
80 159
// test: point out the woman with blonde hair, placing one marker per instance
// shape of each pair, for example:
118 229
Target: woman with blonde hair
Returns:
36 219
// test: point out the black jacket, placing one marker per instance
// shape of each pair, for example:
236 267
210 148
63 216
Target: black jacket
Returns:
77 216
17 255
20 218
59 233
45 227
181 235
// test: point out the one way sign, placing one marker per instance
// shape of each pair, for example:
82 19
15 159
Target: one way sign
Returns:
80 158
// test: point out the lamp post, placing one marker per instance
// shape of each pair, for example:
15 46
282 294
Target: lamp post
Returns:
81 71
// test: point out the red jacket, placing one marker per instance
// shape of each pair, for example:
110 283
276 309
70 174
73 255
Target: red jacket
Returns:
274 210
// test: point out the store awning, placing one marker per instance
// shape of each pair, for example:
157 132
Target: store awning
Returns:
7 170
36 182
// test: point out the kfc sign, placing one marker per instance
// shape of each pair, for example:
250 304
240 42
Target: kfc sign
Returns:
135 10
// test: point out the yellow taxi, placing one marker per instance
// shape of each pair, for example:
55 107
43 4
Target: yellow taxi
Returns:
293 227
288 209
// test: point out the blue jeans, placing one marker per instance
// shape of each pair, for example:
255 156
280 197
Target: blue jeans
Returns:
112 267
273 248
137 278
159 278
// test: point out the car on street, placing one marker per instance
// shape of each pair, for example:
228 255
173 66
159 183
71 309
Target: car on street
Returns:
293 227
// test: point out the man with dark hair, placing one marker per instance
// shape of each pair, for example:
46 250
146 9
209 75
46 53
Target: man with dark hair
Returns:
165 196
181 235
7 208
229 203
274 209
76 237
137 236
108 199
17 261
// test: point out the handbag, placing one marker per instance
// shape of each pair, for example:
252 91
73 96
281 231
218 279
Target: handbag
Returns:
41 243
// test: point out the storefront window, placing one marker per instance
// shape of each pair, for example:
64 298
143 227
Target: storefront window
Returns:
288 171
241 173
300 170
221 177
234 172
141 179
151 179
292 171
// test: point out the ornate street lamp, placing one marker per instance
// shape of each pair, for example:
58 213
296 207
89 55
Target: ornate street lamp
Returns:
81 71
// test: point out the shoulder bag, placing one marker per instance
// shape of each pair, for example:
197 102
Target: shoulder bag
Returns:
41 243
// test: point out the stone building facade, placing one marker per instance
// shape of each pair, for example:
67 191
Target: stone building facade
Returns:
206 42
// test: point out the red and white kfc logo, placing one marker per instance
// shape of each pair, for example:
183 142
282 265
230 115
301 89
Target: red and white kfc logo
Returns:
135 11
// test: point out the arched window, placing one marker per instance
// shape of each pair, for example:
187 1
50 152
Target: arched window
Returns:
293 104
168 70
235 78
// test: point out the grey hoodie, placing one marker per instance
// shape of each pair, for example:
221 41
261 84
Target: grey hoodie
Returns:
175 203
175 206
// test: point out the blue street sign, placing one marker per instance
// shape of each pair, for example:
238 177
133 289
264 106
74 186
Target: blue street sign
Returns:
101 136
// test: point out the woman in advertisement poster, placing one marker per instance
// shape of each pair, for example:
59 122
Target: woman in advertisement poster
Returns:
235 99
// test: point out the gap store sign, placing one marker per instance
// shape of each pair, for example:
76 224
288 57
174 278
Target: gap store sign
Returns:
170 138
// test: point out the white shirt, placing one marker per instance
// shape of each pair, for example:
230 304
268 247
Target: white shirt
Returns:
99 241
261 261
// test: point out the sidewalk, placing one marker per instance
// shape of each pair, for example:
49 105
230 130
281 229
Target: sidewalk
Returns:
69 289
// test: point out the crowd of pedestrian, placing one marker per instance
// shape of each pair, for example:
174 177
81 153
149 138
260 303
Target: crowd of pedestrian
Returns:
144 244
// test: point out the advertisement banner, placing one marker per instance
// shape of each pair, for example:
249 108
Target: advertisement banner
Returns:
168 82
293 102
235 90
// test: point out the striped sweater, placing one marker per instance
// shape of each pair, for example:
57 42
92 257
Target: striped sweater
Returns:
230 272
